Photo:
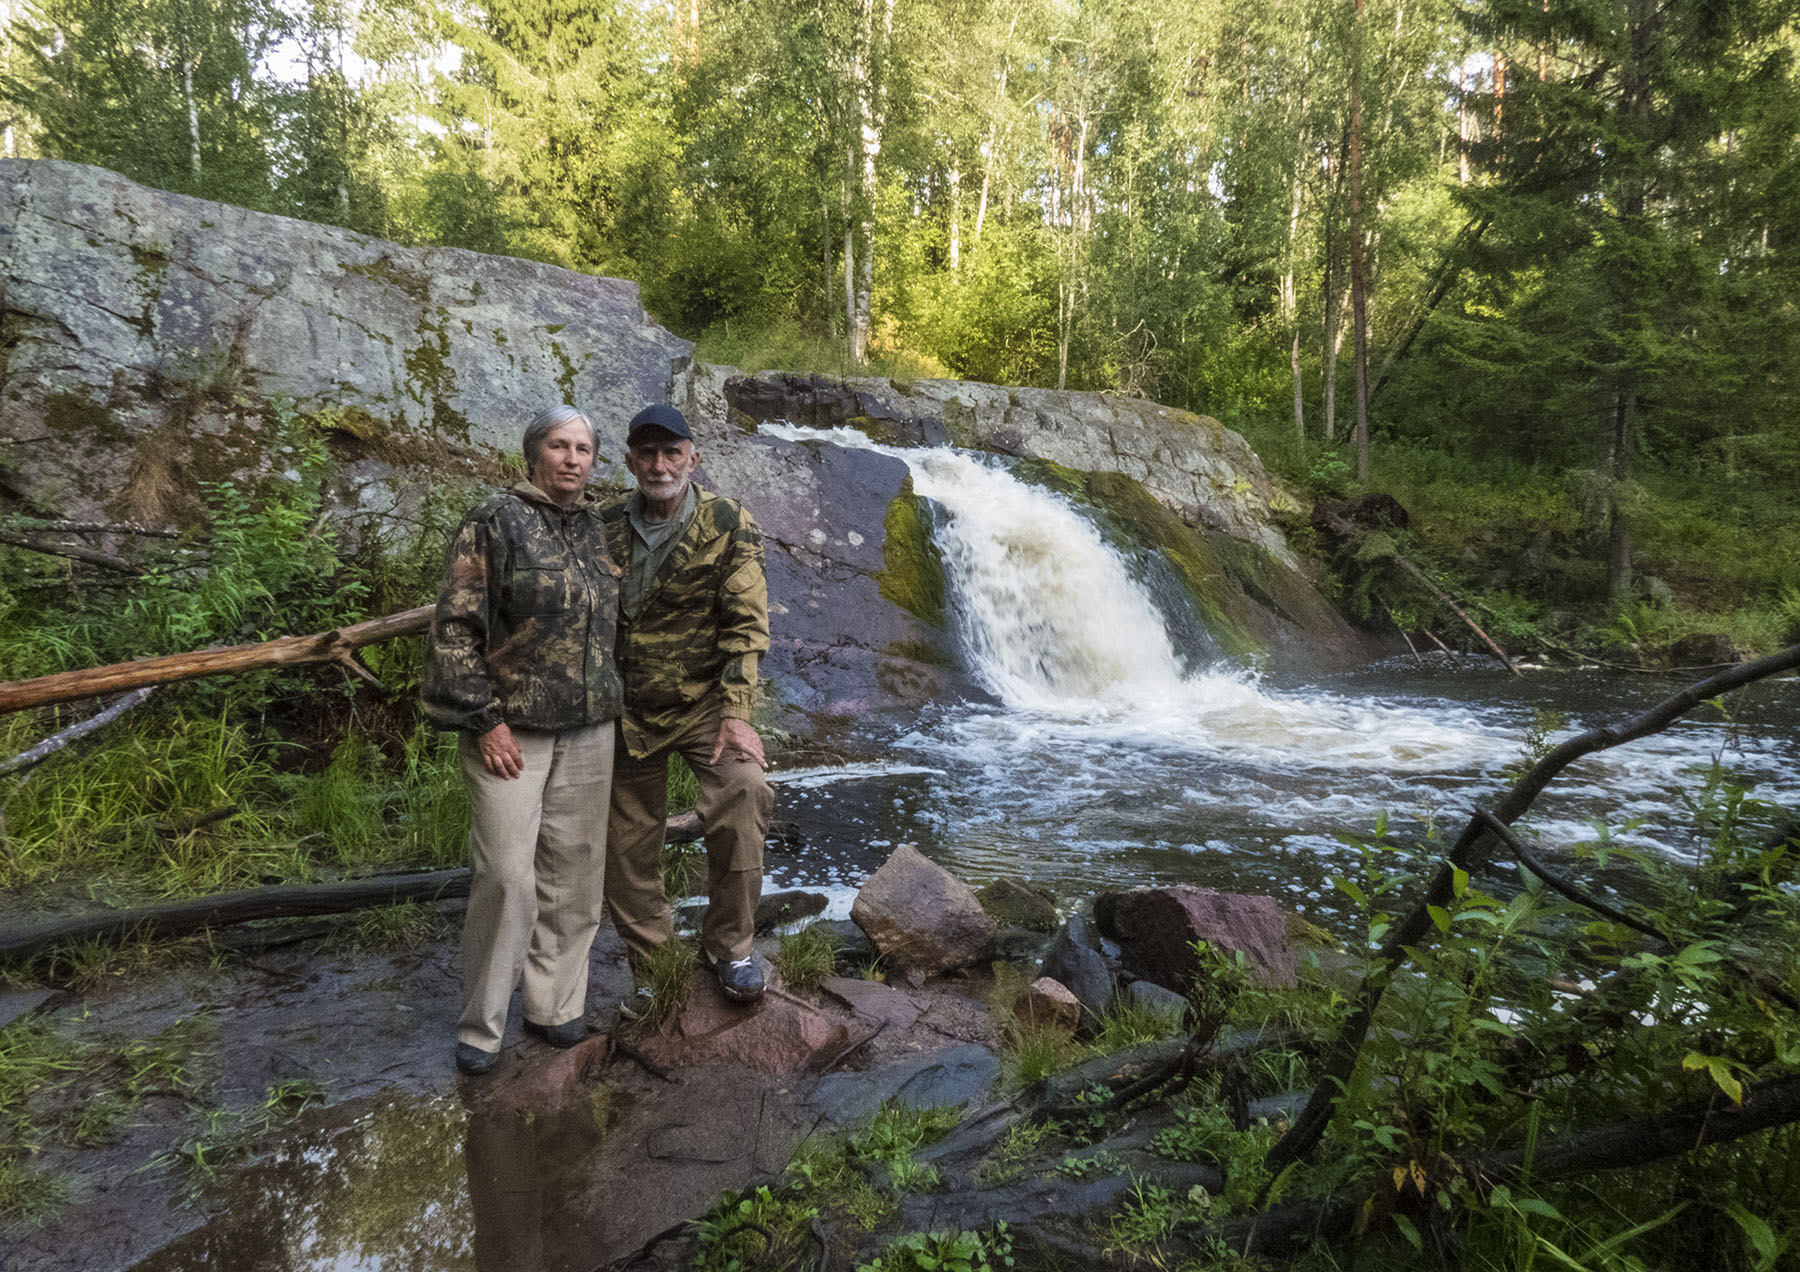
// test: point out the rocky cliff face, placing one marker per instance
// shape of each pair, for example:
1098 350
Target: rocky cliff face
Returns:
151 341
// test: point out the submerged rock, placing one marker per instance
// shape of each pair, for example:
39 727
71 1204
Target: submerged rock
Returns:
778 908
921 916
1157 927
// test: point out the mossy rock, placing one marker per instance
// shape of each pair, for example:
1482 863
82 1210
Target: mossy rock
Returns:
912 570
883 432
1209 579
1011 903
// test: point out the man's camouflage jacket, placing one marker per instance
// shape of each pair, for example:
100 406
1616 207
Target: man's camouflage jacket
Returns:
524 630
698 639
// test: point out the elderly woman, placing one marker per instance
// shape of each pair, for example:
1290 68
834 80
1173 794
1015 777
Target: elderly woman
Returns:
522 666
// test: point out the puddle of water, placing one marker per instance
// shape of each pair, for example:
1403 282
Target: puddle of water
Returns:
408 1186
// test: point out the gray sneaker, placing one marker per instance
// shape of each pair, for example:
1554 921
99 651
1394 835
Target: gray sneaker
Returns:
741 980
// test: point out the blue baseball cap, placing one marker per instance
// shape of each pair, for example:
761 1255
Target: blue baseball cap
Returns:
667 418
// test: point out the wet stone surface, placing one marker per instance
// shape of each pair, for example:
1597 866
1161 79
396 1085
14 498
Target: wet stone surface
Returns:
555 1160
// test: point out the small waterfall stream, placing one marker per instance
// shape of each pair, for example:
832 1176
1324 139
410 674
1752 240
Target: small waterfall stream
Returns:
1117 757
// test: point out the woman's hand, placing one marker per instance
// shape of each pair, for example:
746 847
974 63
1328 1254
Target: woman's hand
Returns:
500 753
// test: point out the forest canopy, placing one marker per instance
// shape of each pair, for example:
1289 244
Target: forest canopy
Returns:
1557 240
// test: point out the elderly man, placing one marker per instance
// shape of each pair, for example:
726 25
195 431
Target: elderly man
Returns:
693 627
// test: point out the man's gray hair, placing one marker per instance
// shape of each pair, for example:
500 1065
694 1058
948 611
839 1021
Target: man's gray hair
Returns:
546 422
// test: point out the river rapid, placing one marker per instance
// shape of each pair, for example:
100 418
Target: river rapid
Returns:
1119 749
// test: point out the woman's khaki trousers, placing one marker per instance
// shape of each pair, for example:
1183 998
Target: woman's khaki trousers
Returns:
537 856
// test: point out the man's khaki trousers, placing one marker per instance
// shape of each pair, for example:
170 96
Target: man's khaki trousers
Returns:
537 849
735 806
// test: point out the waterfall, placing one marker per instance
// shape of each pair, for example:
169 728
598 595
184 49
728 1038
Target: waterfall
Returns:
1052 619
1047 611
1049 615
1107 758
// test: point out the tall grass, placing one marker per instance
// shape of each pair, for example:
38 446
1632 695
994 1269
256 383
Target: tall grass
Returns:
239 780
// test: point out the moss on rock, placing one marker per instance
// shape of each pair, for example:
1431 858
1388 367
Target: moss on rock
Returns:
1238 588
1207 577
912 569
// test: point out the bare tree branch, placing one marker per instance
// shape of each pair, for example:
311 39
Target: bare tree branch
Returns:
74 733
1617 1146
1762 980
76 552
1468 854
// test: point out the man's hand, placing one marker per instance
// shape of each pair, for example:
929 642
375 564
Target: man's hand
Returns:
500 753
737 735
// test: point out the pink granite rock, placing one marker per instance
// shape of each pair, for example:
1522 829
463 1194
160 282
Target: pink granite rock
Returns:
921 917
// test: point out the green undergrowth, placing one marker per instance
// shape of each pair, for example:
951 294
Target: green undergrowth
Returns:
807 957
1519 1025
1522 545
860 1176
233 781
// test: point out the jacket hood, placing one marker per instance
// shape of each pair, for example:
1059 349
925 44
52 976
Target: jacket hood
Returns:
526 491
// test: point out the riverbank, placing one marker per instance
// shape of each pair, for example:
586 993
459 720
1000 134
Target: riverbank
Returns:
298 1104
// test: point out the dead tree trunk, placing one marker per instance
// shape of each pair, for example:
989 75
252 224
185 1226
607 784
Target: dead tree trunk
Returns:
338 646
182 918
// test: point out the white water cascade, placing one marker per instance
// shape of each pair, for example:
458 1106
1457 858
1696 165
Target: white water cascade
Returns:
1110 761
1052 621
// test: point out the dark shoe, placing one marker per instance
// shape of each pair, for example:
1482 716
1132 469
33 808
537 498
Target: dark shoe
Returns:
473 1060
741 981
639 1005
566 1034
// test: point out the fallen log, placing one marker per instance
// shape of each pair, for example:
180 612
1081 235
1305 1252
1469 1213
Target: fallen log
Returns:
338 645
183 918
1616 1146
73 551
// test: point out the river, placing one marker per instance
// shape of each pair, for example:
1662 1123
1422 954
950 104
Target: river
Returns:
1119 749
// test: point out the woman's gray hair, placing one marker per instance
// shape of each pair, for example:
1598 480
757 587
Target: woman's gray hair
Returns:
546 422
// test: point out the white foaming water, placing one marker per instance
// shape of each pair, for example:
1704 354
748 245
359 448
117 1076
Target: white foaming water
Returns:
1048 613
1053 623
1110 762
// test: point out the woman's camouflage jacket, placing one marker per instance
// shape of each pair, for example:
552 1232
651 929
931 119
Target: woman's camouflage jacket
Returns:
524 628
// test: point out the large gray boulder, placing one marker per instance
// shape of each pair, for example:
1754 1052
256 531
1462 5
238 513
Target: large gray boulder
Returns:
155 343
920 916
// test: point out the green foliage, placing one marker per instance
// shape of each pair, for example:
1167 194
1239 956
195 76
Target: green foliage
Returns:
392 927
962 1251
219 784
1475 1046
221 1137
684 787
82 1092
749 1229
805 958
1125 1025
667 977
895 1135
1151 1215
